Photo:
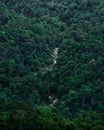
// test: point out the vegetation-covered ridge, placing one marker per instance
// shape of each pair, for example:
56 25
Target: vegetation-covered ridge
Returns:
19 116
71 80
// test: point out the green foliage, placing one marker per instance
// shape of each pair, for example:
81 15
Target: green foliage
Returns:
30 30
17 115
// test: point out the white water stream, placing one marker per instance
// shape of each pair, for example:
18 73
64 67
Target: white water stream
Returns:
53 101
48 68
54 55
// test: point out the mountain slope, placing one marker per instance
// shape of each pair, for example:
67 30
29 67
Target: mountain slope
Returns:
29 32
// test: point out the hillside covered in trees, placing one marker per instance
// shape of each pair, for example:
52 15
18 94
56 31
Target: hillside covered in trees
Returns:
51 64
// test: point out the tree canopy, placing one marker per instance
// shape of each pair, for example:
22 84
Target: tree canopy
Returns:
30 31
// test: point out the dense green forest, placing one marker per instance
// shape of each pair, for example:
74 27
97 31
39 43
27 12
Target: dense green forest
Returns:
51 64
